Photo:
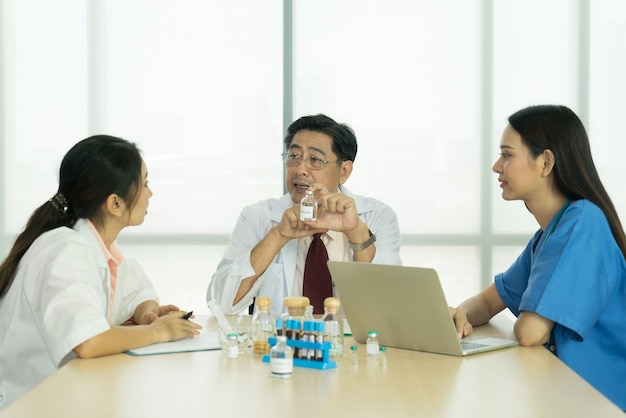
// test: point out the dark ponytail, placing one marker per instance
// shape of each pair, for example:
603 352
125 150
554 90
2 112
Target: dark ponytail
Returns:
92 170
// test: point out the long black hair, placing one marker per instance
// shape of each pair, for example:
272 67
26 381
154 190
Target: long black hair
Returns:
90 172
558 129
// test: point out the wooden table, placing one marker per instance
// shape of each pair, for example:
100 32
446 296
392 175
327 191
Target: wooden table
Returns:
512 382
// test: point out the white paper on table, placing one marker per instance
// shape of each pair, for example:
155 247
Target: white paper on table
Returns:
208 340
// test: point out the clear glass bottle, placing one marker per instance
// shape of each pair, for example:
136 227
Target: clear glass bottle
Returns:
281 358
354 357
262 326
382 356
333 327
296 308
308 207
232 345
372 343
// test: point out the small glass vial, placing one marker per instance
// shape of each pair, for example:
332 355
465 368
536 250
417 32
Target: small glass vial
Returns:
308 207
372 343
293 333
382 356
281 359
232 345
262 326
354 357
333 327
319 338
309 331
280 327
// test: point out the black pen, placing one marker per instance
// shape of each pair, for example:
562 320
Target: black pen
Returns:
188 315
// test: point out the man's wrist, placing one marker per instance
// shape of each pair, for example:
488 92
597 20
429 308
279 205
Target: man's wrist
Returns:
364 244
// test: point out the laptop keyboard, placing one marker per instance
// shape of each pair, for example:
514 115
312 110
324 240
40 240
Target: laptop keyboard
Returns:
466 345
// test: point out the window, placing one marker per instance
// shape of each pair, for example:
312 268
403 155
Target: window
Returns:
199 85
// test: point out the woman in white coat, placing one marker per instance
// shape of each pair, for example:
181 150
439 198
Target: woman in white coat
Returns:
65 289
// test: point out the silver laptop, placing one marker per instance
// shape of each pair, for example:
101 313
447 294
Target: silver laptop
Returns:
406 306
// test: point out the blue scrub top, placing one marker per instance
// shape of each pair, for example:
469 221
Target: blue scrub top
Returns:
576 278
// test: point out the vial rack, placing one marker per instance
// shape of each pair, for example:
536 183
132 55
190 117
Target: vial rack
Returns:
325 364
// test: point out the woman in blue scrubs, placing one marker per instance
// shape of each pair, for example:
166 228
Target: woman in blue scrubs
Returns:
568 287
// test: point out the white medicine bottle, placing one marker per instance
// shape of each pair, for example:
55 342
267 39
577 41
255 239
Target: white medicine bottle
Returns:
308 207
371 344
281 358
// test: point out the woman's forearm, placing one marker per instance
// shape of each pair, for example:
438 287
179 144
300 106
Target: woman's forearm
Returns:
482 307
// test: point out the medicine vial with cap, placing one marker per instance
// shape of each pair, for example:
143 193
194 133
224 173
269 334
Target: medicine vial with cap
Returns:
281 358
309 333
319 338
308 207
382 357
333 327
371 344
232 345
354 357
262 326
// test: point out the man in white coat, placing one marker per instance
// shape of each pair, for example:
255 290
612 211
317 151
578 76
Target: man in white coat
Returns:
267 249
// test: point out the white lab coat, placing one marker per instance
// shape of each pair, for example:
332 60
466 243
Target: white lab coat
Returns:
276 282
59 299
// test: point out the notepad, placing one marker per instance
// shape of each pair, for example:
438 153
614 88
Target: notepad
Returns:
203 342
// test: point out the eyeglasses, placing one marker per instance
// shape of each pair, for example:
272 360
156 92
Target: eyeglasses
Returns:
291 159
